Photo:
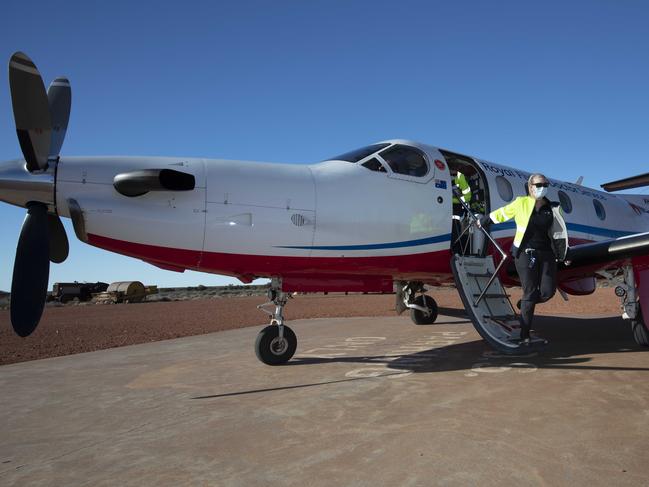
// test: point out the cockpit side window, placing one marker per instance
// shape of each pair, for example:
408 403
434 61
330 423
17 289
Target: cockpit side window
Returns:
359 154
405 160
373 164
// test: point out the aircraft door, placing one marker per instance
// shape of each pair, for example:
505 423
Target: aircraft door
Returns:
442 191
423 166
466 175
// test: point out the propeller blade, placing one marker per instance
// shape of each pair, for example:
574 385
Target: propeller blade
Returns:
31 111
31 271
59 96
59 246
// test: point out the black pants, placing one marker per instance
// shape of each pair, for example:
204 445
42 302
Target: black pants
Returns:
539 284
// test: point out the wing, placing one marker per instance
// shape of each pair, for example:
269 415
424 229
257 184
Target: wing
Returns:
627 183
586 259
609 250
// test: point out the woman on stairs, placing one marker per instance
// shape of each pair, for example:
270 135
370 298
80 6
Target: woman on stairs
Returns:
541 240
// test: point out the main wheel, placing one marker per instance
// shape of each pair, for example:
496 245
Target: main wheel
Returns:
419 317
640 332
273 350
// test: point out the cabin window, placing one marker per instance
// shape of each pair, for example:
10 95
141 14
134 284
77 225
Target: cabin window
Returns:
374 165
359 154
566 204
405 160
599 210
504 188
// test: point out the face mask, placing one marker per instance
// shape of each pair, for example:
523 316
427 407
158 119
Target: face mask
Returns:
539 193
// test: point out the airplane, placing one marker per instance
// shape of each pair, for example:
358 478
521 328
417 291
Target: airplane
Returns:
375 219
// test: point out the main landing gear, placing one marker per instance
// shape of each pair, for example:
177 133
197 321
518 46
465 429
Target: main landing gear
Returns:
624 281
275 344
423 308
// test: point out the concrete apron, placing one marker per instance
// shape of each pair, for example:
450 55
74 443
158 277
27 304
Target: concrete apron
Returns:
366 401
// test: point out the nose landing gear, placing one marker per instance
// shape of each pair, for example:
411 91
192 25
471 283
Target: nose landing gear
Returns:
275 344
423 308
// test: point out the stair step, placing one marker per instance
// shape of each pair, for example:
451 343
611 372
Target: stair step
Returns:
492 295
471 274
501 317
536 341
509 327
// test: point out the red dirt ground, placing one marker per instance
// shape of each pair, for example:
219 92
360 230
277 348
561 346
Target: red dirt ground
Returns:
75 329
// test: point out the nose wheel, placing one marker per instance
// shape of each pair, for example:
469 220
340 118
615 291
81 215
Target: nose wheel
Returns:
425 312
423 308
275 344
272 349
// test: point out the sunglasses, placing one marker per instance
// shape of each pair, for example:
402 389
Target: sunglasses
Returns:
541 185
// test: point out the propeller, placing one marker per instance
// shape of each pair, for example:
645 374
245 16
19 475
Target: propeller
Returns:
41 122
31 271
31 111
59 247
59 98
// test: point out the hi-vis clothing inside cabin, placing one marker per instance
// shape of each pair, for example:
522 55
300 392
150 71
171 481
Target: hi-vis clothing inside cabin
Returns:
521 209
463 185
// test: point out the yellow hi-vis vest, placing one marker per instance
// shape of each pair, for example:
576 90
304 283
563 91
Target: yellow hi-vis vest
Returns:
521 210
463 185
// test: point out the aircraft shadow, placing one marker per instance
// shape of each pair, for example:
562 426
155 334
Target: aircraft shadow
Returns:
454 312
573 342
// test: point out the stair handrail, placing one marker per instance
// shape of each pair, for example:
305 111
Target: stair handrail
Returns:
475 222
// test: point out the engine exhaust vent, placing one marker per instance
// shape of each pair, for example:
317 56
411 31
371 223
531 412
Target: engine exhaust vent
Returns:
137 183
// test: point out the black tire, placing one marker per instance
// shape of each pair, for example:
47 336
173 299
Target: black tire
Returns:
640 332
270 350
419 317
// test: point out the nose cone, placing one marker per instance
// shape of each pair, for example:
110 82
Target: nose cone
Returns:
18 186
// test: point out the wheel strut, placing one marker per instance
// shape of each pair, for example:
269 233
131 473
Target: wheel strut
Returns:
275 344
623 280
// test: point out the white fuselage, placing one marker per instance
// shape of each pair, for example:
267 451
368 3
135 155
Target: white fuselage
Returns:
332 220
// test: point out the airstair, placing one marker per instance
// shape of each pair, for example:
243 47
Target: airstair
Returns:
484 297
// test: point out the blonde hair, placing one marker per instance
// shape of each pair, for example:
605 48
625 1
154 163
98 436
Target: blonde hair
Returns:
536 175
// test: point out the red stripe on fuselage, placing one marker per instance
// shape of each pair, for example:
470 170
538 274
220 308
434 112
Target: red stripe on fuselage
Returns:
312 273
429 267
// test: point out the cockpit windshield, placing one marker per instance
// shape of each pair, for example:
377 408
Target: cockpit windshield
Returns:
358 154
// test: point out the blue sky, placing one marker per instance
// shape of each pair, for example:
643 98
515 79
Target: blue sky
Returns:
560 87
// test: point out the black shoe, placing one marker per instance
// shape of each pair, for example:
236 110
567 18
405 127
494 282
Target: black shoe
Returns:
532 340
521 342
538 341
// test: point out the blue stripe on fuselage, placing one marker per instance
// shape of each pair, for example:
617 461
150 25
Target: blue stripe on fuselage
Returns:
575 227
390 245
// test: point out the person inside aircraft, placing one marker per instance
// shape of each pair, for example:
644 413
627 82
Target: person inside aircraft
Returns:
462 184
540 241
462 188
